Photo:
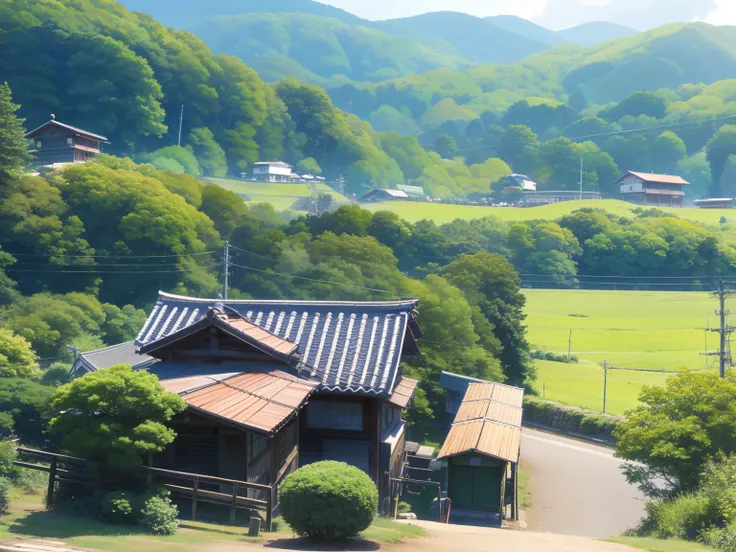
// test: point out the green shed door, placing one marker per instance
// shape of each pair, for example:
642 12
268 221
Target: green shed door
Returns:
475 487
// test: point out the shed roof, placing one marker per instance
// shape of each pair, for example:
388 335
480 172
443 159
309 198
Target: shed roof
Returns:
261 400
347 346
656 178
403 392
59 124
456 382
123 353
488 422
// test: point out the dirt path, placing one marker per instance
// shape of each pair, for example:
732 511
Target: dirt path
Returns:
480 539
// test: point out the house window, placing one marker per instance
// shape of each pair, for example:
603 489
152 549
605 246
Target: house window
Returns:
345 416
39 144
70 141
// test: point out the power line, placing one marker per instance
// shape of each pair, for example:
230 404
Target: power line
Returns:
183 255
254 254
111 271
312 279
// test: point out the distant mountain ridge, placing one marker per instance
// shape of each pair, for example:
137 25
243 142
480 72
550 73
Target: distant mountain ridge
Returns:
595 32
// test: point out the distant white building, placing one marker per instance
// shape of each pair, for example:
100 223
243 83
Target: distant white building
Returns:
521 181
273 171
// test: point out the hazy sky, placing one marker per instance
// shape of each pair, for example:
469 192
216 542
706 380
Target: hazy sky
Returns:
557 14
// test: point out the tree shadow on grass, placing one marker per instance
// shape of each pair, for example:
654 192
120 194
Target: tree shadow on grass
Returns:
61 526
357 545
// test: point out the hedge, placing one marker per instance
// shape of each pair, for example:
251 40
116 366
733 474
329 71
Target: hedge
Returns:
570 419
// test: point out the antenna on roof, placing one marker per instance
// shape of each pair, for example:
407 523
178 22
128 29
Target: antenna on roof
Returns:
52 117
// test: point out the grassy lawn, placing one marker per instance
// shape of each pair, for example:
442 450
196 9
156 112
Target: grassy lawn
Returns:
656 545
640 332
441 213
629 329
292 190
27 519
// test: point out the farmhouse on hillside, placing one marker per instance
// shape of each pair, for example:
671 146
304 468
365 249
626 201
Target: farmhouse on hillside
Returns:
56 143
649 189
272 385
272 171
384 194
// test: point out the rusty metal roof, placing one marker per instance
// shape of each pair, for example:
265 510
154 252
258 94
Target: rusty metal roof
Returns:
403 392
488 422
262 401
656 178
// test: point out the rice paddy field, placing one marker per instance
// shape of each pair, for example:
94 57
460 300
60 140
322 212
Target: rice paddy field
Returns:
643 336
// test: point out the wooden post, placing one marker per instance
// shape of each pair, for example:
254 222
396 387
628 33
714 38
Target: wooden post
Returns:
52 482
195 491
515 491
234 505
439 503
269 512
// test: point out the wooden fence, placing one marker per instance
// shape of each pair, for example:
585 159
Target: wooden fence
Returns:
193 486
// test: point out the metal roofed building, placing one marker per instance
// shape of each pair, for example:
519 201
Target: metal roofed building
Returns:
456 385
295 381
124 353
649 189
482 451
384 194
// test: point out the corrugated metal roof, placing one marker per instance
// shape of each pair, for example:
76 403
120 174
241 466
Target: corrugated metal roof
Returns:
403 392
488 423
347 346
123 353
456 382
262 401
657 178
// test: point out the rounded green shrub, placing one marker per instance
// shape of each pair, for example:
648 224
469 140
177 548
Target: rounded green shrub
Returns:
116 508
328 501
160 516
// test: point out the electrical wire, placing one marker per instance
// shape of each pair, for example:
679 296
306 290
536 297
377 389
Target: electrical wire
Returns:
183 255
113 272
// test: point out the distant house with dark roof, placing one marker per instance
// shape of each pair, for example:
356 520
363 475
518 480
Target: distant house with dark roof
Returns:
384 194
272 385
124 353
56 143
650 189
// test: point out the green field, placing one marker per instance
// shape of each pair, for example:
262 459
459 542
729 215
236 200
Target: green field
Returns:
275 189
644 336
442 213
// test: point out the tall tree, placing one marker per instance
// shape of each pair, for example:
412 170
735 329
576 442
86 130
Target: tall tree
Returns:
667 150
208 152
13 145
520 148
445 145
719 149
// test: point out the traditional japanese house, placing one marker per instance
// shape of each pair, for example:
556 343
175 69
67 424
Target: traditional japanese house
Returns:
482 453
652 189
56 143
271 385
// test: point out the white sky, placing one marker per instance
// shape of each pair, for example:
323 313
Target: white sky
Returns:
558 14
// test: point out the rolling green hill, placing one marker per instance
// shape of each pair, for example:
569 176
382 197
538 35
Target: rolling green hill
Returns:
595 32
476 39
318 49
529 29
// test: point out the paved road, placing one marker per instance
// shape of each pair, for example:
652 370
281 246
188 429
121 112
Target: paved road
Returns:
444 538
577 488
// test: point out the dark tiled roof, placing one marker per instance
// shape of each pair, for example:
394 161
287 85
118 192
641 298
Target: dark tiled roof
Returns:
347 346
54 122
123 353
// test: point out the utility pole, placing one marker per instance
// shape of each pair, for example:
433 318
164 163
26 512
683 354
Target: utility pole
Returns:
605 384
724 330
226 264
569 346
581 177
181 124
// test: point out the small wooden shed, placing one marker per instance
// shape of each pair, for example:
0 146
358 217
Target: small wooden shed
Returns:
482 450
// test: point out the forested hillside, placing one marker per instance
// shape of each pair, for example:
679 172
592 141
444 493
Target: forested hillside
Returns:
320 50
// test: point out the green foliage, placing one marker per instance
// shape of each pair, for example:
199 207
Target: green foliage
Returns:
570 419
720 148
57 374
116 508
25 401
445 145
676 429
328 501
183 157
520 149
309 165
6 425
4 495
13 145
683 517
114 416
638 103
16 356
159 515
667 151
208 152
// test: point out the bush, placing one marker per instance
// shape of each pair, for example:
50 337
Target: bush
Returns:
547 355
328 501
160 516
4 495
404 507
570 418
684 517
116 508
